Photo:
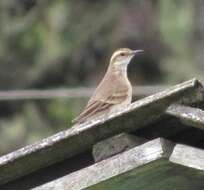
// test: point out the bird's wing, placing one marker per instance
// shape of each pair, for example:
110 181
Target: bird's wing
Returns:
100 103
91 110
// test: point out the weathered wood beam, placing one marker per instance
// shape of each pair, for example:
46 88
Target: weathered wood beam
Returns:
146 158
114 145
187 115
110 167
188 156
77 139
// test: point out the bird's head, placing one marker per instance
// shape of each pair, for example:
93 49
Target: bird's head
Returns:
122 57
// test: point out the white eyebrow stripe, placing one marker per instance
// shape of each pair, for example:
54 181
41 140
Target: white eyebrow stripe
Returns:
119 51
116 54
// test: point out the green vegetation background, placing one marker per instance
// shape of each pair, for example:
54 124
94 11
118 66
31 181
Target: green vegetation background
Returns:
52 44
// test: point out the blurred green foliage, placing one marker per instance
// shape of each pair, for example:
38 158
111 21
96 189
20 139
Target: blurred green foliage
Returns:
46 44
176 28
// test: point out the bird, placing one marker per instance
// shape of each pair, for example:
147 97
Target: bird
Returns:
114 91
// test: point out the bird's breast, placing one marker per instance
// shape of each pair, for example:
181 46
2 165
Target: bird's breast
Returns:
124 85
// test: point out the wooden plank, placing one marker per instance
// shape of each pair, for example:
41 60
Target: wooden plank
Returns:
188 115
157 175
188 156
114 145
110 167
73 141
158 162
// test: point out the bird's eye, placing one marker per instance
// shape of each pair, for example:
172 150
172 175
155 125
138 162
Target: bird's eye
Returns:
122 54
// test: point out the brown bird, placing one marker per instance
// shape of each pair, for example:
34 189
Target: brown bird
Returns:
114 91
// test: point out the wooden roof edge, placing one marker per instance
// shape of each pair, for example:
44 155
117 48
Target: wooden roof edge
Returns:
155 153
75 140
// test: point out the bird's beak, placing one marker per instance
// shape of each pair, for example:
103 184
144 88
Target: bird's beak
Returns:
137 51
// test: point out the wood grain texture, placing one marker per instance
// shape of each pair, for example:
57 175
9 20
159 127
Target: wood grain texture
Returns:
188 115
157 164
71 142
